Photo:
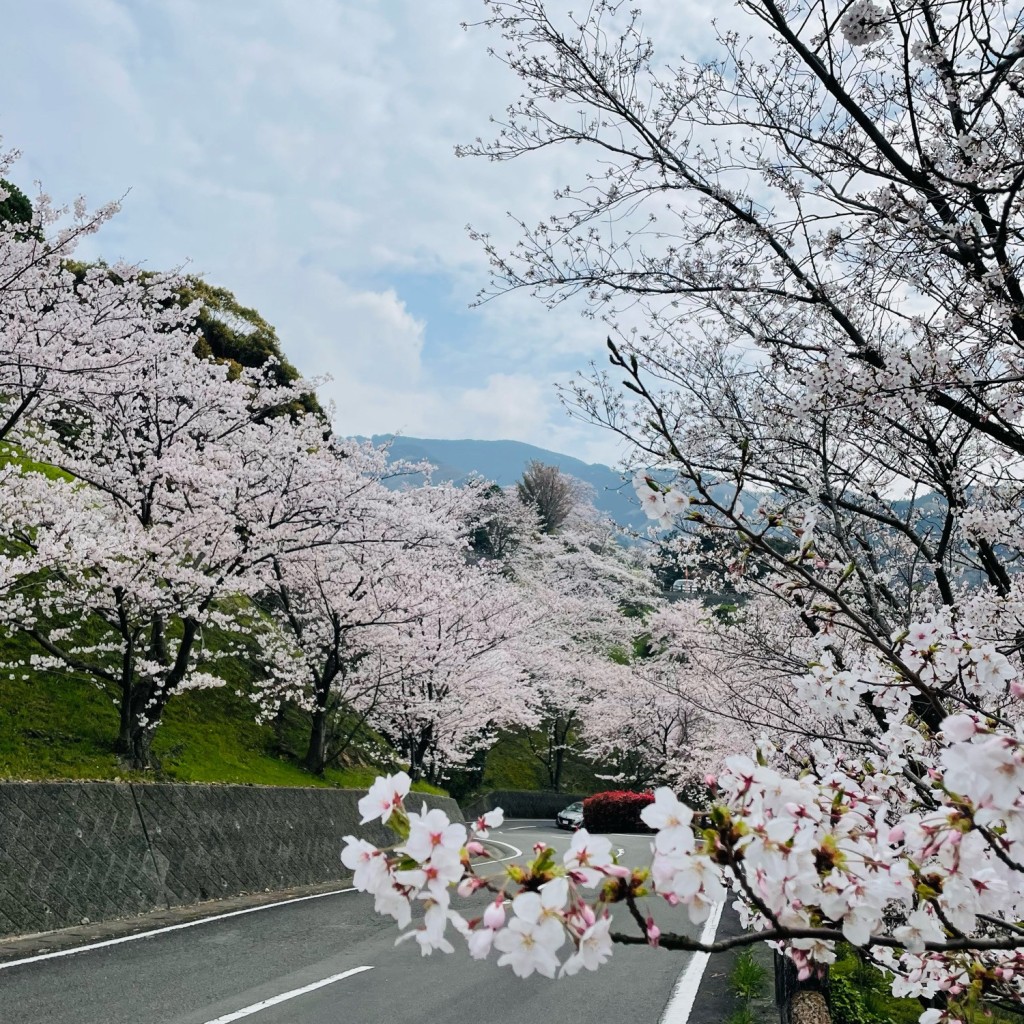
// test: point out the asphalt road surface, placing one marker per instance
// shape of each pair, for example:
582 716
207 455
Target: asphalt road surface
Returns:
332 960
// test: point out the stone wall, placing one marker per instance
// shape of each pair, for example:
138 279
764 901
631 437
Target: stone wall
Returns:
98 850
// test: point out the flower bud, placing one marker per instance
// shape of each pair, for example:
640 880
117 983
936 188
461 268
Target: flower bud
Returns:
468 886
494 915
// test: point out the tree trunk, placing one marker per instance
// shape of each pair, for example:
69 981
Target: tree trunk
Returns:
316 752
135 746
556 774
135 739
809 1007
418 750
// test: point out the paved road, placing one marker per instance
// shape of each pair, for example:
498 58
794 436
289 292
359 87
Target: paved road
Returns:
216 970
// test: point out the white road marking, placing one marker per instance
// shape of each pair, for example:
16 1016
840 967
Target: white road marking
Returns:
499 860
518 828
167 928
247 1011
680 1003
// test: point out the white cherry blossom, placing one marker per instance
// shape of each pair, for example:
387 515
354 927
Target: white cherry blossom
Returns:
383 797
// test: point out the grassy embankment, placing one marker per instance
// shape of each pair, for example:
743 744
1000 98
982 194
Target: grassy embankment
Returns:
59 725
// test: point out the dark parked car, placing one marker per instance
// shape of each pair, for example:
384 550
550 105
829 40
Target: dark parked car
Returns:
570 817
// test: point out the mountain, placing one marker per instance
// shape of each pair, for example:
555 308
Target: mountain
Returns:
504 462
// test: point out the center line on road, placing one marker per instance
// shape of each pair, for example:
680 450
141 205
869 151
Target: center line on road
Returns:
168 928
247 1011
685 993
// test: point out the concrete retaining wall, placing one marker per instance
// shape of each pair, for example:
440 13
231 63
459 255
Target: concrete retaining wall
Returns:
99 850
522 803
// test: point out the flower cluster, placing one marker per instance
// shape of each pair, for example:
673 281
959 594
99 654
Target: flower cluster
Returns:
811 860
663 504
548 910
863 23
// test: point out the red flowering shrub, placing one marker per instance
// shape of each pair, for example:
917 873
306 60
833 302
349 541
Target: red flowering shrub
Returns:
615 811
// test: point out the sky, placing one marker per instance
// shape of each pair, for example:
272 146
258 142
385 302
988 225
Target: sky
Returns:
301 155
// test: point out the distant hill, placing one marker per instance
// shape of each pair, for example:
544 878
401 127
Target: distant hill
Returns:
504 462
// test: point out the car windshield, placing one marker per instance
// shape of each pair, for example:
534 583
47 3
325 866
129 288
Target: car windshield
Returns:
577 807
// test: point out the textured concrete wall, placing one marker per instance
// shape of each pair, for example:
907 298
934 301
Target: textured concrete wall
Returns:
100 850
522 803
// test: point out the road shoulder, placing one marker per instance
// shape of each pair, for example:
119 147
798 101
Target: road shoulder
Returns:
716 1001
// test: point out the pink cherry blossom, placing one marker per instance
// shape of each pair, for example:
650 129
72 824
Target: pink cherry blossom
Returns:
594 948
533 936
671 819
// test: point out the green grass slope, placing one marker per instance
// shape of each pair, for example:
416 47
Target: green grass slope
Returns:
57 725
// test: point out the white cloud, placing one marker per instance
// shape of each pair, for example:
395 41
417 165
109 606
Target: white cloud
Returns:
361 336
508 405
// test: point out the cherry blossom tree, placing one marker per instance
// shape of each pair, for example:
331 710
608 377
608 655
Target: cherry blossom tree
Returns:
449 673
820 232
60 330
678 708
190 490
582 583
563 682
502 522
348 600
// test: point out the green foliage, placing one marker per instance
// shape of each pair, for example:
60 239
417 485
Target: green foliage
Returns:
634 609
726 613
239 334
511 764
232 331
619 655
748 981
464 781
748 977
848 1006
16 208
860 994
11 454
643 646
741 1016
